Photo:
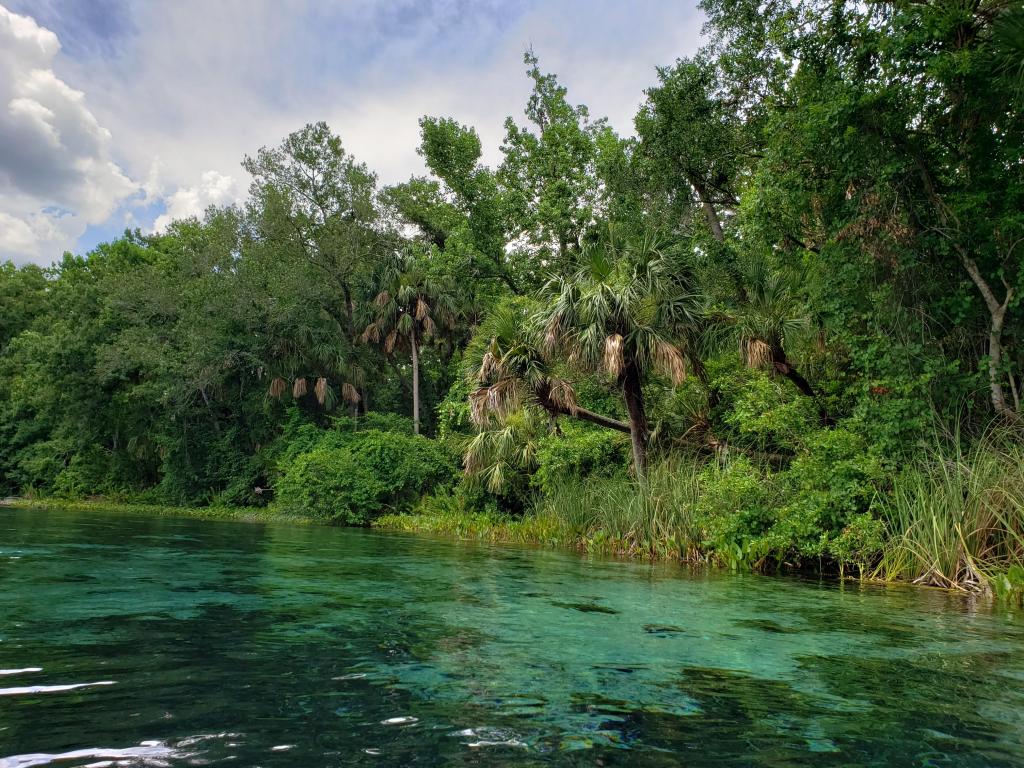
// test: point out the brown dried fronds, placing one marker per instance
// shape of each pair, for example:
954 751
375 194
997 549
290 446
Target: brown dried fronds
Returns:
371 334
422 310
562 395
277 386
614 358
428 327
478 406
552 333
670 361
350 394
299 388
320 390
488 365
382 298
756 353
503 397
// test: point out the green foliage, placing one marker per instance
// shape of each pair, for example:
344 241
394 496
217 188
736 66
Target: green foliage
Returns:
578 453
956 518
351 478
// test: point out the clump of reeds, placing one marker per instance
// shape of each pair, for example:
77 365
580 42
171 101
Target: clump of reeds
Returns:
957 519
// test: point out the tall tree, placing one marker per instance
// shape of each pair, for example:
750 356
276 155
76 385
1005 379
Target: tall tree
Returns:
629 310
412 308
548 174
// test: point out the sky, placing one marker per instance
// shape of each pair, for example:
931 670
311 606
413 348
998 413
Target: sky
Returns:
120 114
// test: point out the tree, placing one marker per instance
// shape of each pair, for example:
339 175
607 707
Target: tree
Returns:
548 175
630 309
452 152
412 307
697 143
510 371
309 195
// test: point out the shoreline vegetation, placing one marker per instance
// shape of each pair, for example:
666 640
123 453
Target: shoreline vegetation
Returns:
115 507
954 523
775 324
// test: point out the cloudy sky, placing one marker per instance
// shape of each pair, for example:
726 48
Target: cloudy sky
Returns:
128 113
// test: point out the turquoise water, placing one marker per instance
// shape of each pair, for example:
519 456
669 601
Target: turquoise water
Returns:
173 642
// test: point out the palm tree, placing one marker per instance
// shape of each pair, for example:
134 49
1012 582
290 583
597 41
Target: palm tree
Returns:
629 309
513 372
768 320
412 307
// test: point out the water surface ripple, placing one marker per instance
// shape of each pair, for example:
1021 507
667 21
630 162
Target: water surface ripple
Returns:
169 642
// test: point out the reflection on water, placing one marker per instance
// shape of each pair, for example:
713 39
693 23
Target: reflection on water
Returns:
270 645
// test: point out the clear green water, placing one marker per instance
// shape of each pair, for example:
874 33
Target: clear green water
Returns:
198 642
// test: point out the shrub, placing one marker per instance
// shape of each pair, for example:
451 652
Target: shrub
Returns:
577 453
351 479
735 509
750 514
824 489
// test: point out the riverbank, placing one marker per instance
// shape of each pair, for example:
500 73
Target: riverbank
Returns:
238 514
942 535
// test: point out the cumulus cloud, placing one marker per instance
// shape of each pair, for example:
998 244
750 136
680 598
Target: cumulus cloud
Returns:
213 189
56 171
189 88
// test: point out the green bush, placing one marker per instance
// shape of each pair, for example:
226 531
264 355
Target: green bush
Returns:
735 509
818 507
577 453
353 478
824 489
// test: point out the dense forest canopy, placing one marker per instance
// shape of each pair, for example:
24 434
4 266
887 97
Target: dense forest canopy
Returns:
803 263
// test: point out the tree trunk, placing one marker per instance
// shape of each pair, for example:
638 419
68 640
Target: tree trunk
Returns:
601 420
578 412
781 365
415 384
709 210
633 395
997 315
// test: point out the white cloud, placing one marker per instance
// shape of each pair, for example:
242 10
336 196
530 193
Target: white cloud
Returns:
213 189
188 88
53 151
17 234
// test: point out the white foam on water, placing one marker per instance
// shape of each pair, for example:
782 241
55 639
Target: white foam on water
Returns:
150 753
49 689
407 720
21 671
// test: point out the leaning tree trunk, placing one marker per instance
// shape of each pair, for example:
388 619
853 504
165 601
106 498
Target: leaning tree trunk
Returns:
997 316
415 384
781 365
633 395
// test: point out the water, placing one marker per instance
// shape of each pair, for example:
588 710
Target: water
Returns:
168 642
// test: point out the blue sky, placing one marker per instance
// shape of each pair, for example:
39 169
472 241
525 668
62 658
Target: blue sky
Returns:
119 114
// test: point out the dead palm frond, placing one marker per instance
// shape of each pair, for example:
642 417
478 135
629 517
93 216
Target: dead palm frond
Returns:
277 386
299 388
350 394
613 354
669 361
756 353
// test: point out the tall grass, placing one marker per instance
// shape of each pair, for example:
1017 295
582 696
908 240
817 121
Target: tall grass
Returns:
618 515
957 519
652 519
